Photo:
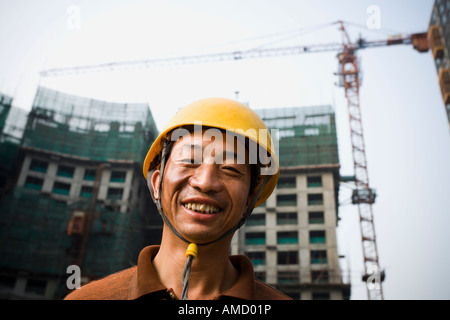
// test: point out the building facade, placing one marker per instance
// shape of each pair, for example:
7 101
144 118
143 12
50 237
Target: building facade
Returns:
79 196
10 119
291 238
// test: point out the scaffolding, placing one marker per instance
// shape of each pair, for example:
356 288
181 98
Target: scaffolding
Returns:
34 240
306 135
5 106
29 237
40 231
89 128
12 124
9 142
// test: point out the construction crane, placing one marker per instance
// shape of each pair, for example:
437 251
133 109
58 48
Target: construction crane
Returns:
418 40
349 75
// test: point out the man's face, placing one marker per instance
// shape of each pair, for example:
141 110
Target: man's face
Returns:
205 188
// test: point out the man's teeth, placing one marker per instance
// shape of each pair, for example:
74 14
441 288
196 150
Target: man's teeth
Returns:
202 207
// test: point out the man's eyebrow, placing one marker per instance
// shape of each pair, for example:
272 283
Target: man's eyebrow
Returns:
192 146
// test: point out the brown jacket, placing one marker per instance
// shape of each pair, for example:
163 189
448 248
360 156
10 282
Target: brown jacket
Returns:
142 282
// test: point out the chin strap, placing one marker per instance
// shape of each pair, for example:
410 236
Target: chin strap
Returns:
192 250
191 254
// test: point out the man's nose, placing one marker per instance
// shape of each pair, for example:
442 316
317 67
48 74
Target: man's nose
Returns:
206 178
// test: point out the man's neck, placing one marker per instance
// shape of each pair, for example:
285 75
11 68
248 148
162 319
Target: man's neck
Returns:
211 272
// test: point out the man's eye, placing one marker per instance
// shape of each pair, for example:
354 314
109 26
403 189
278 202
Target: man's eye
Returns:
232 169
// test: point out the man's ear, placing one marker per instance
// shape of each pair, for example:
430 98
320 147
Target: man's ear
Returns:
153 184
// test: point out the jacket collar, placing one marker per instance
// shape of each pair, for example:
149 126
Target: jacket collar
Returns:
146 281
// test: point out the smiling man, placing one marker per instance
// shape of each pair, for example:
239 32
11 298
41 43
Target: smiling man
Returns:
205 198
212 164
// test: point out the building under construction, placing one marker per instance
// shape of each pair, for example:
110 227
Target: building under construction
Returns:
78 198
291 238
11 130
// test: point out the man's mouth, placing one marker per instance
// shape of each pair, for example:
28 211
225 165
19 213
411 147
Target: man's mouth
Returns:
201 207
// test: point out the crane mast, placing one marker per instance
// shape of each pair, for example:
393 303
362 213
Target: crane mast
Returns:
363 196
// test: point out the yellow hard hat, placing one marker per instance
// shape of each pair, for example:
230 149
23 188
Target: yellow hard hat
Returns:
223 114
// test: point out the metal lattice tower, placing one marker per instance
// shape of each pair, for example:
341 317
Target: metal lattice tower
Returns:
363 196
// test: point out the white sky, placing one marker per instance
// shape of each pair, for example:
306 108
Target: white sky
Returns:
406 129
